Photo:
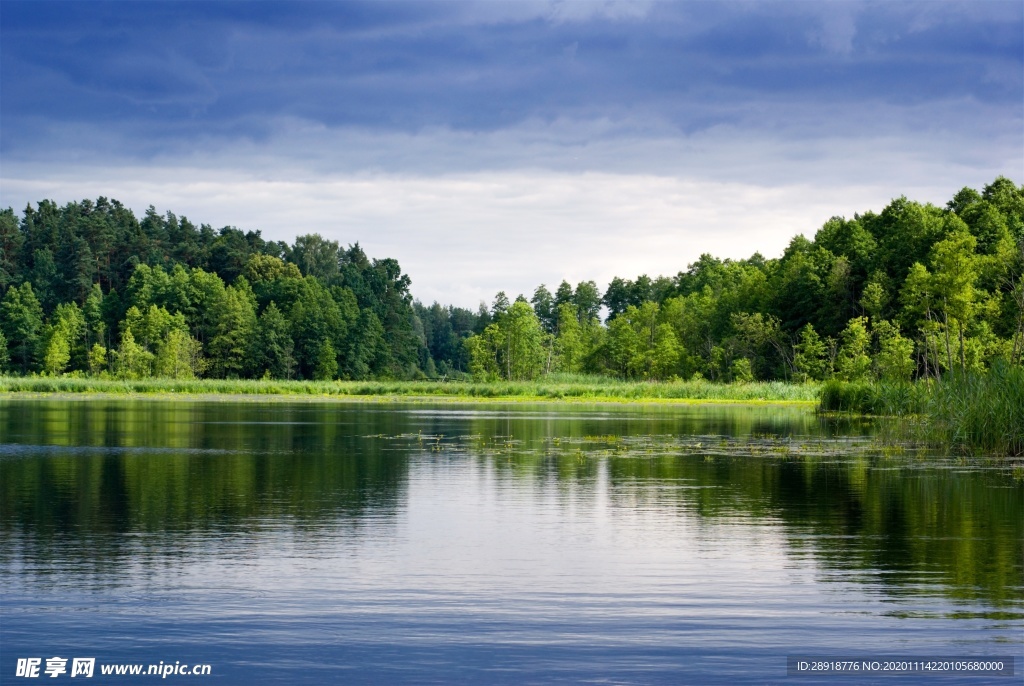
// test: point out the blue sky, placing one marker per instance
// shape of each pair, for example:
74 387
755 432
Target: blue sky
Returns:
498 145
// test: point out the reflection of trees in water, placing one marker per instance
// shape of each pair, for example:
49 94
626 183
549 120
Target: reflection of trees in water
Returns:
901 520
176 469
117 472
897 522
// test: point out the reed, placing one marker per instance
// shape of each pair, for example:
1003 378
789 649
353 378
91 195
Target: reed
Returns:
880 398
979 413
553 387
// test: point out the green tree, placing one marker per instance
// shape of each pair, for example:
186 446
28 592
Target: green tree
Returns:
763 337
696 320
274 345
21 318
150 327
317 318
4 355
521 342
179 356
954 273
369 354
665 353
326 362
316 256
741 370
874 300
45 278
231 347
895 358
11 241
587 299
131 360
483 359
512 347
97 359
853 362
92 310
625 348
60 337
641 346
563 295
544 307
273 280
570 342
500 305
810 355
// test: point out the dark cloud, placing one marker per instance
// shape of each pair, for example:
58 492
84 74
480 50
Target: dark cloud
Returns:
630 135
171 72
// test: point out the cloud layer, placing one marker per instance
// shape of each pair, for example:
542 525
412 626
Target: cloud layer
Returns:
681 126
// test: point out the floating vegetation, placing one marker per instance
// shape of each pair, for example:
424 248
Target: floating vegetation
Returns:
765 446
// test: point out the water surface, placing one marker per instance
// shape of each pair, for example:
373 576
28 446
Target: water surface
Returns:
304 542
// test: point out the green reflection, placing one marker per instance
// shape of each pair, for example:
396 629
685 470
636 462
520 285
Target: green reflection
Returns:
95 473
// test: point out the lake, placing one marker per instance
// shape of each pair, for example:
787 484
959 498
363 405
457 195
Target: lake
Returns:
301 542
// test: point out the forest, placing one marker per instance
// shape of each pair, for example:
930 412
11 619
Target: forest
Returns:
907 293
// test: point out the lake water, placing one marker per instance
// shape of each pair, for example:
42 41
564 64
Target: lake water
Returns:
388 543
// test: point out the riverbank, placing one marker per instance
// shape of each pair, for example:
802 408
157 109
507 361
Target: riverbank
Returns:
580 389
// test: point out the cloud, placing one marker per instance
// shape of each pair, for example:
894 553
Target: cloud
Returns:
499 145
169 72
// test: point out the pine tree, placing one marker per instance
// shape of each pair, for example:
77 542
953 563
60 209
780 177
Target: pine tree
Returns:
21 318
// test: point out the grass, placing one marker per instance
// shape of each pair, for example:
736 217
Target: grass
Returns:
878 398
970 413
982 412
552 387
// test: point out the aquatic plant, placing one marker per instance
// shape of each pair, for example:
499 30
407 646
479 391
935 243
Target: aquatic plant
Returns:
981 413
968 412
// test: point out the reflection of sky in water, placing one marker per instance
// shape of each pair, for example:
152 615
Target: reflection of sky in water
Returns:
350 549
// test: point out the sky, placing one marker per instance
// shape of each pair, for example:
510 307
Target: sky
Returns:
500 145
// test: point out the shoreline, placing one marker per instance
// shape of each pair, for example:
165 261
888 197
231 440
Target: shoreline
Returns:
548 390
393 398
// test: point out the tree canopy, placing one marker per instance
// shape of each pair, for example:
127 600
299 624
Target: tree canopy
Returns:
911 291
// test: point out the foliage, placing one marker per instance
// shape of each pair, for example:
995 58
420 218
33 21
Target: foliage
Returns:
853 362
512 348
912 292
809 356
894 360
21 318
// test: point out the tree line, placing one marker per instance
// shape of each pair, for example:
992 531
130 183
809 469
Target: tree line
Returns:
909 292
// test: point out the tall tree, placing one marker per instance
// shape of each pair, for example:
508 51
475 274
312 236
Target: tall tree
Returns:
21 318
274 347
544 307
231 346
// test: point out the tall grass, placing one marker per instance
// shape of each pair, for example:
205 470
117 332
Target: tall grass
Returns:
981 413
551 387
975 413
881 398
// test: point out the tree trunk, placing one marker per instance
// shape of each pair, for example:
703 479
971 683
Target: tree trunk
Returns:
963 361
949 352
